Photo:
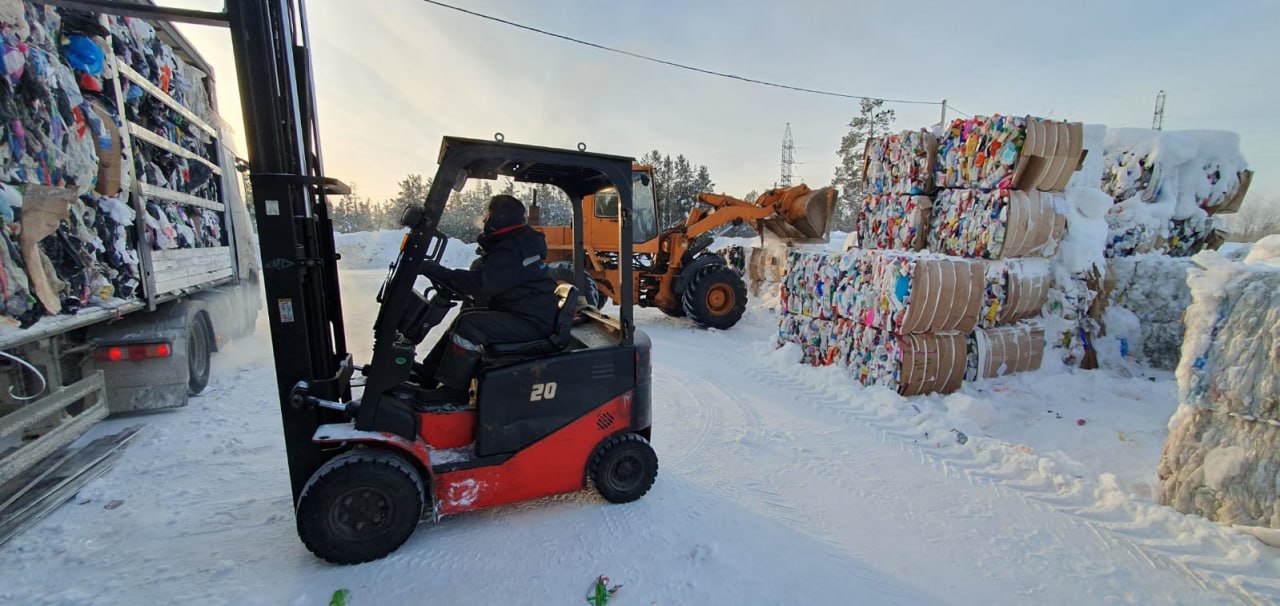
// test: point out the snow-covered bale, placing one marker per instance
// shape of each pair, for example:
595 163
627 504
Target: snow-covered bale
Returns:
1154 288
1222 459
1166 184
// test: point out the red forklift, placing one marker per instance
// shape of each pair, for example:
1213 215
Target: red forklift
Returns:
545 417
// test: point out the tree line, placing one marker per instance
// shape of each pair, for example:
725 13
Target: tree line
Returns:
677 180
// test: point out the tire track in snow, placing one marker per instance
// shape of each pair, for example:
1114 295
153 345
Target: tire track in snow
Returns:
1210 557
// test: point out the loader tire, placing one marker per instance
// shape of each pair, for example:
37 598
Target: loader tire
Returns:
715 297
624 468
360 506
674 312
562 271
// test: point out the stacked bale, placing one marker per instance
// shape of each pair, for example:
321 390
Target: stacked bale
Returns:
1001 180
896 319
1222 458
898 172
1154 287
1170 188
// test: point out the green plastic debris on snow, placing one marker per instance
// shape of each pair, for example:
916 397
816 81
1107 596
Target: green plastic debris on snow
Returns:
602 592
341 597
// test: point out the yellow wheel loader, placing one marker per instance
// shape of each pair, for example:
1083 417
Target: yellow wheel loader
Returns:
672 269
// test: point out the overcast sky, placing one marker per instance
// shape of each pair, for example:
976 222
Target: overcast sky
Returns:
394 76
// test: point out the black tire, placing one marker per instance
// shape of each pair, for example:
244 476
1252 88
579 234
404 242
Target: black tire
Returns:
677 312
624 468
715 297
360 506
199 352
562 271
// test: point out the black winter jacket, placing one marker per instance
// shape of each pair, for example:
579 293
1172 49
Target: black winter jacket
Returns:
511 276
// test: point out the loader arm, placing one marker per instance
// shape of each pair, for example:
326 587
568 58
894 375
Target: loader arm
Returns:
793 213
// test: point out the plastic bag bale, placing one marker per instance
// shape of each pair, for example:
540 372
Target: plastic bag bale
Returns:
894 222
1196 168
823 342
1222 467
1016 289
900 163
1006 152
995 224
1004 350
1222 459
810 283
1154 288
909 293
908 364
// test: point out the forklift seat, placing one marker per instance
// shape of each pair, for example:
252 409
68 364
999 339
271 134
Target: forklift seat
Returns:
567 296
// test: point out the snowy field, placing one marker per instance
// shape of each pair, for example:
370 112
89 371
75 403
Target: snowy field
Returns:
779 484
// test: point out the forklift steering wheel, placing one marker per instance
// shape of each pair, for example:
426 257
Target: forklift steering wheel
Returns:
446 291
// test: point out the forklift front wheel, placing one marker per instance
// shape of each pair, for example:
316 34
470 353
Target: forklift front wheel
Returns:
624 468
360 506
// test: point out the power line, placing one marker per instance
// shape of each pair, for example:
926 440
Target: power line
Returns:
953 108
672 63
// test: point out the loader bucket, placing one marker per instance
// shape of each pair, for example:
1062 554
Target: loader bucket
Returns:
806 217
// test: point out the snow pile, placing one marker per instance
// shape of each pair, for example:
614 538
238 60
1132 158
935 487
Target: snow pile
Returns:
1153 287
1223 454
1167 184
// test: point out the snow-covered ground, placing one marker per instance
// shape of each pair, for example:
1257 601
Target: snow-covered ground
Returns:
779 484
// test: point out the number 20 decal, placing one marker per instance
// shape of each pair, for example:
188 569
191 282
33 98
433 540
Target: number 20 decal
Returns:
543 391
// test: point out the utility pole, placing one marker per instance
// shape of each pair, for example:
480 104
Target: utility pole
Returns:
943 123
788 158
1157 119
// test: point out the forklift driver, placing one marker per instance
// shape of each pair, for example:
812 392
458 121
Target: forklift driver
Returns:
513 293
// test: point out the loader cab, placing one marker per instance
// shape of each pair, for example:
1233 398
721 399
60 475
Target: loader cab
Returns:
644 221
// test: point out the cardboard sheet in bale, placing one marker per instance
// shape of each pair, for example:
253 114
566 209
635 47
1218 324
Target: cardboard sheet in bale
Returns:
910 293
1016 289
1008 152
932 363
1004 350
996 224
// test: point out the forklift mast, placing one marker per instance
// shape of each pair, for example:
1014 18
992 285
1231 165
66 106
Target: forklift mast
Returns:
286 169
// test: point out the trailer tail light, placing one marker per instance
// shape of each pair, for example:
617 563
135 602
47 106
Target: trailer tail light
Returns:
403 241
121 353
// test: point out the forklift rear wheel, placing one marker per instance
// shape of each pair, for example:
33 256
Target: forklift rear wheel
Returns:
198 353
624 468
360 506
715 297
